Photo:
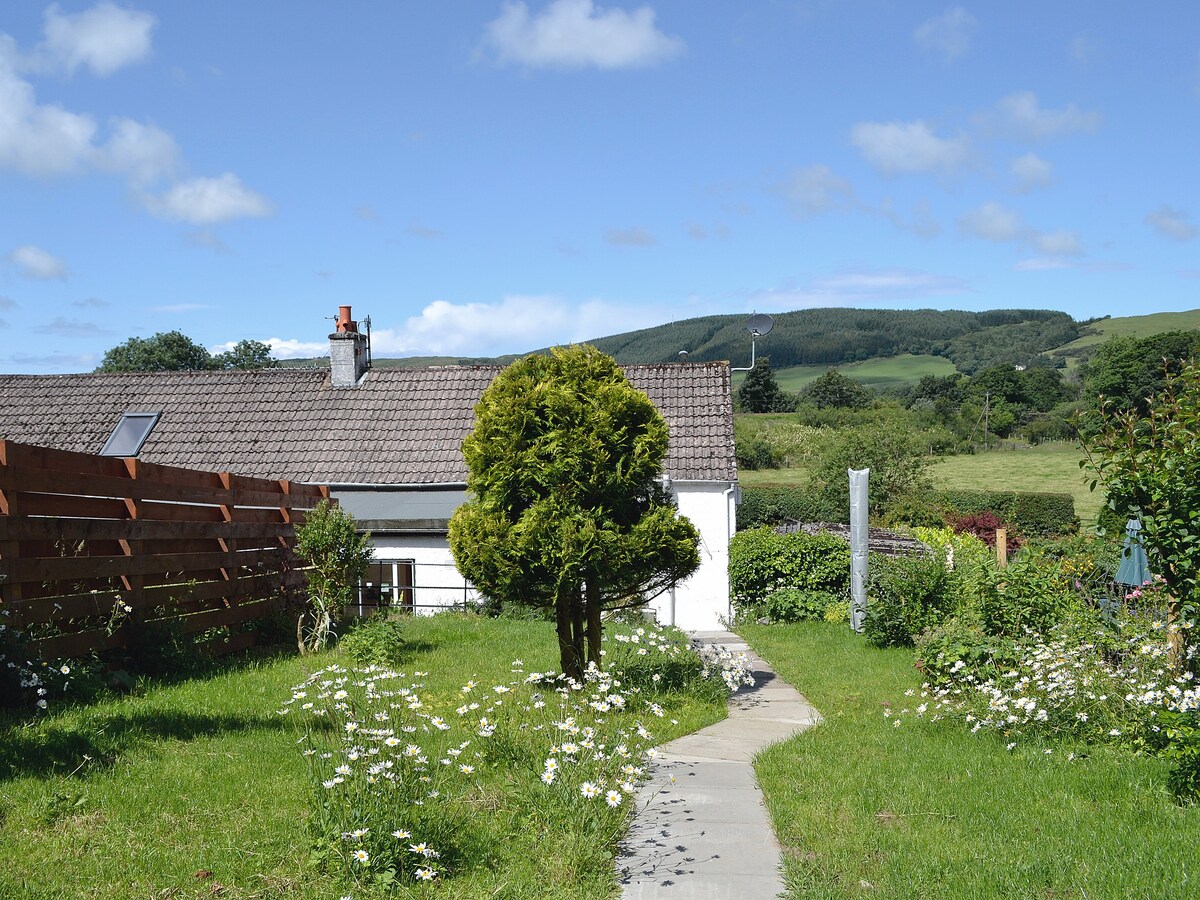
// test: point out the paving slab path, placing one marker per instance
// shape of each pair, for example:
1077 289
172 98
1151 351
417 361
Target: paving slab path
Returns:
708 835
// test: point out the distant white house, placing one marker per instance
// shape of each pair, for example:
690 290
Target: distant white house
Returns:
388 443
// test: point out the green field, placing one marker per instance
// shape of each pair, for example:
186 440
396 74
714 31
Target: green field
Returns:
1047 467
874 373
1132 326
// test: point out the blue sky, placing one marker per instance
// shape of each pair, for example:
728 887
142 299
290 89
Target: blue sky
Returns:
490 177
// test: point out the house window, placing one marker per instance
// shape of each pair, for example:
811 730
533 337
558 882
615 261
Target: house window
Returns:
387 582
129 435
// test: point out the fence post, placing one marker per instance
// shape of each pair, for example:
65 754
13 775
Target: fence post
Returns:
133 584
9 549
1002 547
228 544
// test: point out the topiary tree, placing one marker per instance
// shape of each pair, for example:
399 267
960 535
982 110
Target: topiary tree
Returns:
1150 468
337 555
568 510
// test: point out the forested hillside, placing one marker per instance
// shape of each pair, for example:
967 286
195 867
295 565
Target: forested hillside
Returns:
831 337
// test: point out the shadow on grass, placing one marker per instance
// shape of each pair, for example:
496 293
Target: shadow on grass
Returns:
60 748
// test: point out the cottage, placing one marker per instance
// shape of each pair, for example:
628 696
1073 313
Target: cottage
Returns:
388 443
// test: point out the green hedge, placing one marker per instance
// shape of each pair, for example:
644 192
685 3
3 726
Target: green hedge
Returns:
1030 513
762 562
770 504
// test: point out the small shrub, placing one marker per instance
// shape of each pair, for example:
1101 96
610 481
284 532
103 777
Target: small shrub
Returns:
983 526
377 641
959 644
906 595
753 451
1034 593
838 613
1183 751
797 605
337 555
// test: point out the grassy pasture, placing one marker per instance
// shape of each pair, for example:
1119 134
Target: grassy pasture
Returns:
865 808
874 373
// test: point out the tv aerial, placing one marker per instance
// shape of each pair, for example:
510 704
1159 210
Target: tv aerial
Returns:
759 325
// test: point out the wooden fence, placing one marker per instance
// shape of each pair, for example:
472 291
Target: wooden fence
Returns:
91 547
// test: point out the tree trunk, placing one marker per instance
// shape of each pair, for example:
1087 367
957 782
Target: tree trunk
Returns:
567 658
595 630
578 635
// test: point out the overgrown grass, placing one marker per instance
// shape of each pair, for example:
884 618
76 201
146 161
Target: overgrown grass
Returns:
180 788
863 807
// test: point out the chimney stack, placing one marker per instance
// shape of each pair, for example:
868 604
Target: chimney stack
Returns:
347 352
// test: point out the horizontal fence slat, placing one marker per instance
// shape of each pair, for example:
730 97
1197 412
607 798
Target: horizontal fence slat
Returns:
184 561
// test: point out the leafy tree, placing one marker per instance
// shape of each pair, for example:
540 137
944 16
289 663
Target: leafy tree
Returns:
760 392
568 511
167 351
835 390
1127 371
246 355
337 555
1149 467
895 456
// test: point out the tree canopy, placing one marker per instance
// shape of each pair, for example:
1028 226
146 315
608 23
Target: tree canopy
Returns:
174 351
833 390
567 509
1148 465
760 392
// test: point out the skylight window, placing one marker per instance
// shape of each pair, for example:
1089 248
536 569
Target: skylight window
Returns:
129 435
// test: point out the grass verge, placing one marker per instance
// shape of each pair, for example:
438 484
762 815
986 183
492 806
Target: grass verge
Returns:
864 807
198 789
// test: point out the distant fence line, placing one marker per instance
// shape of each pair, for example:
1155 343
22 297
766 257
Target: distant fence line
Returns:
92 545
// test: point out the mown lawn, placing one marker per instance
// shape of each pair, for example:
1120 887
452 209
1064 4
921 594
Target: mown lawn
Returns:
198 789
866 807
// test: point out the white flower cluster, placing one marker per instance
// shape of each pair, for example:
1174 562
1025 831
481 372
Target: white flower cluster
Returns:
1065 685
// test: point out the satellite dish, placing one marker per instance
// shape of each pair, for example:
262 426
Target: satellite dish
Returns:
759 324
683 355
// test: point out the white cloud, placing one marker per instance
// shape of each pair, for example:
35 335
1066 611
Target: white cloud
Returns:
630 237
922 222
34 262
104 38
207 201
1029 172
1171 222
1021 115
39 139
1084 49
816 189
577 34
71 328
1057 243
908 147
145 153
948 34
182 307
43 139
862 286
282 348
992 222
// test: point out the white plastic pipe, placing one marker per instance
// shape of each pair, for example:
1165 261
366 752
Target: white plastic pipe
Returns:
859 546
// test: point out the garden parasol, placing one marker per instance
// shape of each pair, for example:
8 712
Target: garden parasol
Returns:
1134 569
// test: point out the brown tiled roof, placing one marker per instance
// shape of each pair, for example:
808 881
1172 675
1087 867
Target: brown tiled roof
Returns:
400 426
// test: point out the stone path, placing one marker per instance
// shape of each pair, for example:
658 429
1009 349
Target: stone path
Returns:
708 835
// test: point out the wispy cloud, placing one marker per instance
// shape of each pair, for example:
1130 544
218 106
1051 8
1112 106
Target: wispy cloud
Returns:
575 34
994 222
1029 172
816 189
629 237
861 286
1021 115
1171 222
37 264
104 39
908 147
70 328
416 229
948 34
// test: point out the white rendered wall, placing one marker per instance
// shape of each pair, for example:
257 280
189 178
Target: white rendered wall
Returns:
702 602
699 604
437 582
